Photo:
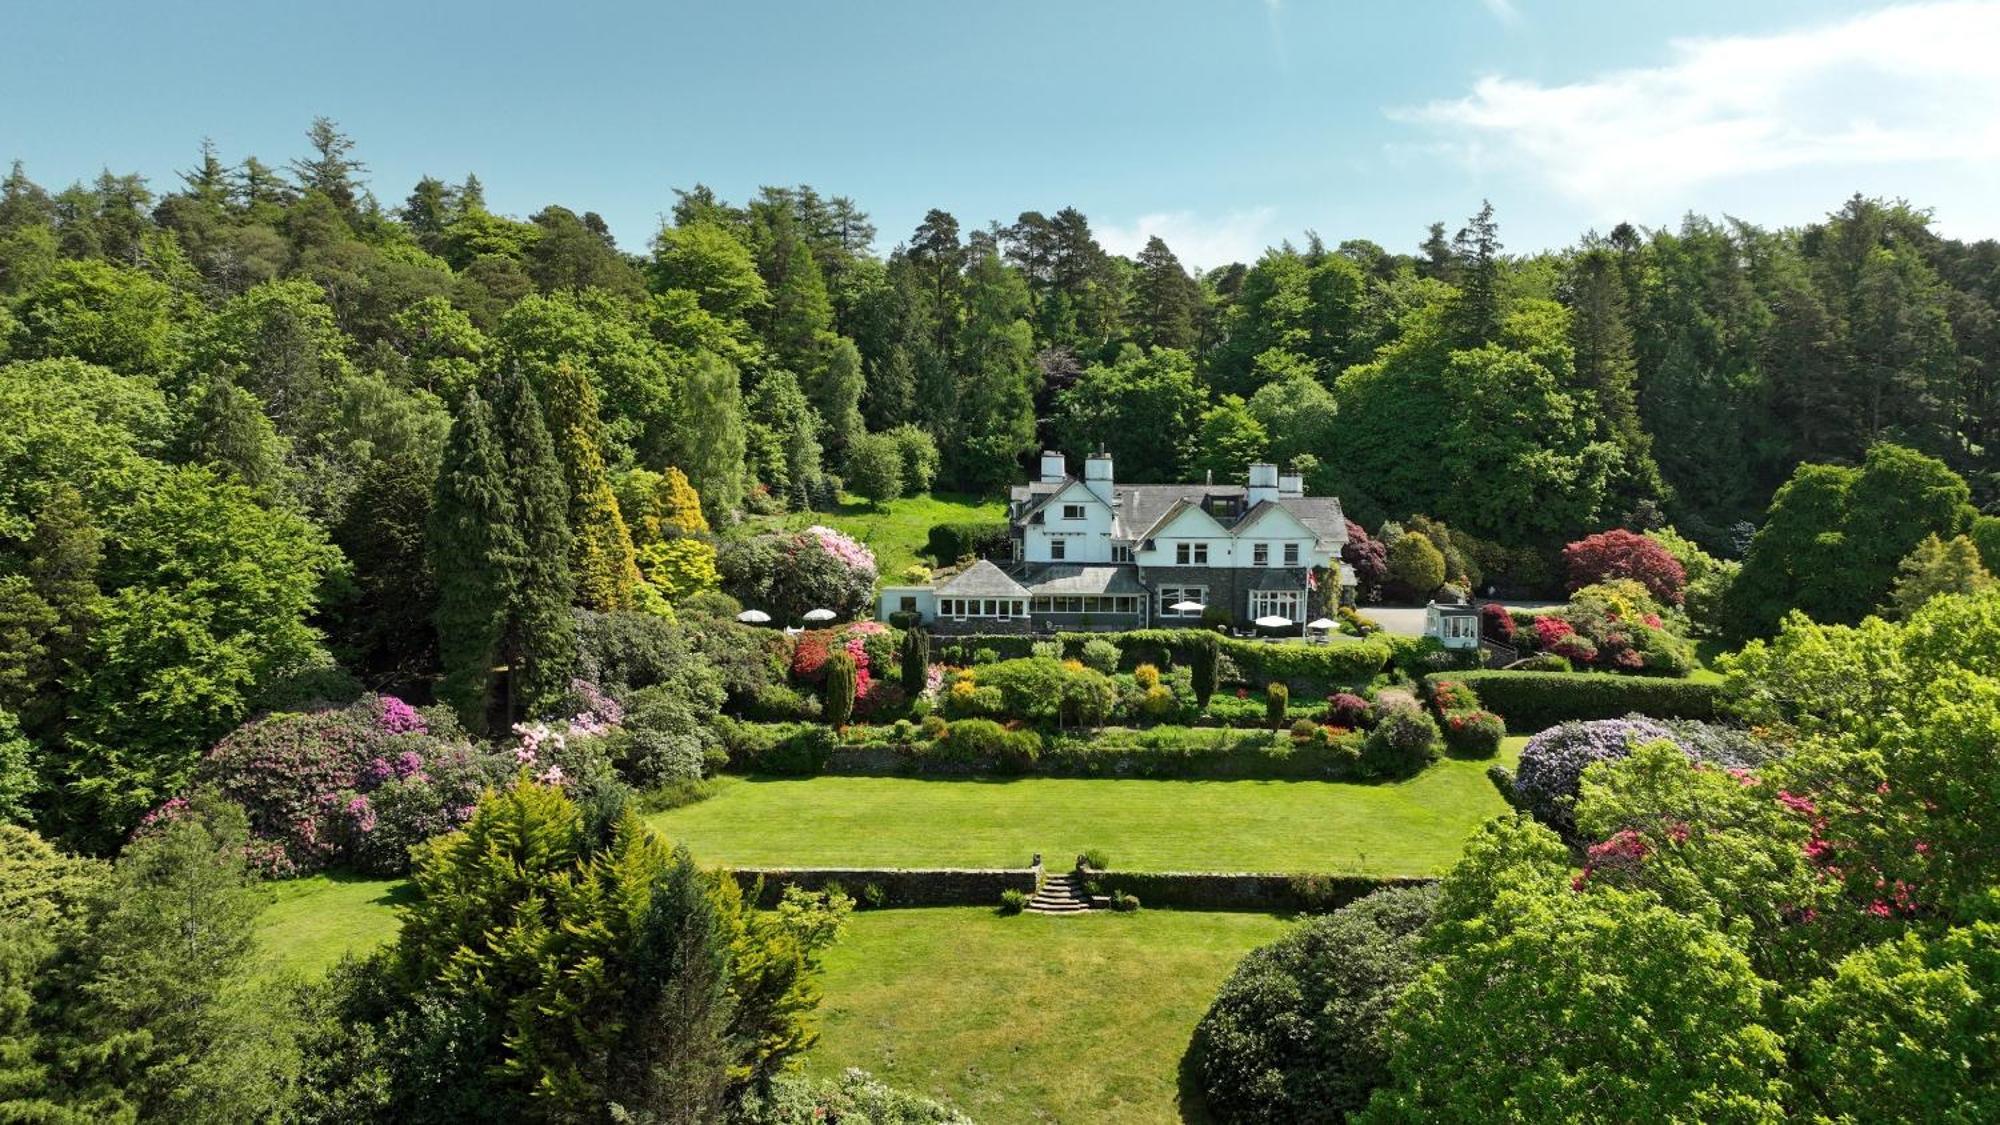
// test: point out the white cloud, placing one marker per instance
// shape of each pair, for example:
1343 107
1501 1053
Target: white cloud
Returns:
1900 86
1199 242
1502 10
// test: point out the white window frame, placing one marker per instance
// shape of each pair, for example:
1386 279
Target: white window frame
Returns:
1072 511
1191 554
1291 554
1281 603
1260 554
1058 548
1169 595
1121 552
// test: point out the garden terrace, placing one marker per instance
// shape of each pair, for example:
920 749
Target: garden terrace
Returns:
1411 827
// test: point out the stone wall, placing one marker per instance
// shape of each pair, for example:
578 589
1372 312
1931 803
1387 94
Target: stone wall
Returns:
1206 890
901 886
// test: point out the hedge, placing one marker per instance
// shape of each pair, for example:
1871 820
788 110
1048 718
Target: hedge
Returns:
1318 667
1533 701
898 886
982 748
1204 890
950 542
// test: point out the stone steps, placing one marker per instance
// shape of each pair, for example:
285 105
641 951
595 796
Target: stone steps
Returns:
1059 894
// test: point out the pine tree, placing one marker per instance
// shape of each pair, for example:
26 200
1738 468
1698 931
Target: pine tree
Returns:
601 558
1166 301
330 171
539 643
1477 250
229 432
64 554
1937 567
475 551
1605 367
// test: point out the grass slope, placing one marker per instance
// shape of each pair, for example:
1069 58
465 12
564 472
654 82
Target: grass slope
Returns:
1029 1018
1414 827
312 922
896 531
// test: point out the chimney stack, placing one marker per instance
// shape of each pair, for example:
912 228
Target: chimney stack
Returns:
1097 475
1263 484
1054 468
1291 482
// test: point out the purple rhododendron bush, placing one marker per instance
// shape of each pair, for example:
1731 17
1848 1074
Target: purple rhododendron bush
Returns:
1549 776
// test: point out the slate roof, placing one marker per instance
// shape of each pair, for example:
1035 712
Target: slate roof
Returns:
981 580
1280 579
1043 581
1140 507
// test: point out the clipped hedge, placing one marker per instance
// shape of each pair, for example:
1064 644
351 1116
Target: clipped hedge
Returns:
1319 667
1533 701
1212 890
791 749
950 542
899 886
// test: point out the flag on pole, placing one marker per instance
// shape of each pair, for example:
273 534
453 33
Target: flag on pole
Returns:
1312 579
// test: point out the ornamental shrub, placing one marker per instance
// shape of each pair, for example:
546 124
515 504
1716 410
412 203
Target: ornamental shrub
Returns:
1619 553
1100 655
1203 664
1346 709
1496 623
1276 697
1013 900
1299 1030
841 687
1537 700
1404 741
1549 777
856 1096
950 542
983 740
916 661
1473 733
1416 566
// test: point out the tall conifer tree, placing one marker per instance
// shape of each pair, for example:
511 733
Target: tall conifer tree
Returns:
601 558
475 552
539 642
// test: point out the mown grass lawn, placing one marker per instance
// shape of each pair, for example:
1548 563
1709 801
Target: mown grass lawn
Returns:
312 922
897 530
1413 827
1030 1018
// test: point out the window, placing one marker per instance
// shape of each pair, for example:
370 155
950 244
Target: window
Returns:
1072 511
1191 554
1277 603
1260 555
1058 549
1171 596
1201 554
1291 554
907 603
1121 552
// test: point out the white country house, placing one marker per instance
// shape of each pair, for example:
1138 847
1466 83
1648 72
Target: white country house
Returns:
1089 553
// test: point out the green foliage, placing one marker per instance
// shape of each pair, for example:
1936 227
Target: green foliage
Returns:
1612 1000
1530 701
601 558
1143 409
1013 900
916 661
1833 537
20 771
1937 566
950 542
1404 741
1416 565
875 467
854 1096
1276 696
120 318
1299 1029
840 676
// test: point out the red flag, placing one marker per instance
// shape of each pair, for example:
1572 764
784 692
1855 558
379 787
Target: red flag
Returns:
1312 579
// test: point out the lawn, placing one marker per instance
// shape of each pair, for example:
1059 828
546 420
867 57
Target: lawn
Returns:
1413 827
1029 1018
313 921
895 531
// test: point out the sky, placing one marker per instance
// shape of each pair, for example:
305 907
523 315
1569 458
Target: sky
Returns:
1223 126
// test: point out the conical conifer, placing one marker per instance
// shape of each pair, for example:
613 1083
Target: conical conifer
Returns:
602 564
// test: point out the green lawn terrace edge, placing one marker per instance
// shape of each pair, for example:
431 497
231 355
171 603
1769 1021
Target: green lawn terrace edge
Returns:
1534 701
891 886
1245 890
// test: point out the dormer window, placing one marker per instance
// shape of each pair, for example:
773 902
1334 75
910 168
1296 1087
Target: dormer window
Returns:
1072 511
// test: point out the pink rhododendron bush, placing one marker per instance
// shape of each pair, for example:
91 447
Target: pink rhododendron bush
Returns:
349 786
790 575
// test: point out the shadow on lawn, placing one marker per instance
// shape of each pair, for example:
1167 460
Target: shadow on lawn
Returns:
400 893
1187 1093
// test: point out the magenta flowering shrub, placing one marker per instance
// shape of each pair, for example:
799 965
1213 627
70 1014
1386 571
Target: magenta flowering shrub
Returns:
353 785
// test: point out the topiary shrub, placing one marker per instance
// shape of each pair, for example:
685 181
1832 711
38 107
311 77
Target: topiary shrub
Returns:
1013 900
1404 741
840 687
1100 655
1203 661
1276 698
1298 1031
916 661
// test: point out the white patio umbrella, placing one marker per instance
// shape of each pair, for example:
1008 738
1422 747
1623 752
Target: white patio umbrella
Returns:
1187 607
1274 622
754 617
820 615
1322 623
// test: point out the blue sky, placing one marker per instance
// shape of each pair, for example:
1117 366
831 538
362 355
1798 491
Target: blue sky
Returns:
1223 126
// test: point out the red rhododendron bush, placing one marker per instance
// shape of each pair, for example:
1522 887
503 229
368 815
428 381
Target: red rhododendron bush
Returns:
1622 554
